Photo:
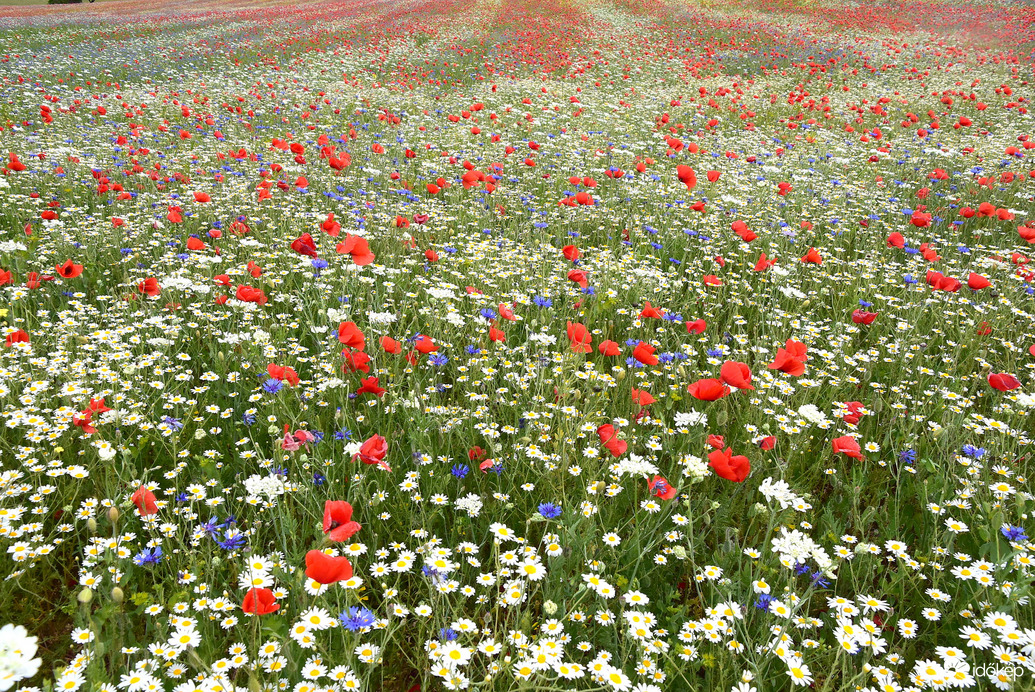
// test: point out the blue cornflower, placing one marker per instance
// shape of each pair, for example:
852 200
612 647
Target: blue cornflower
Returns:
542 301
438 359
460 470
1013 533
763 601
172 422
319 478
182 497
549 510
973 452
232 540
908 457
319 264
211 527
343 434
473 350
248 418
355 619
801 568
272 386
148 556
865 304
714 352
818 580
908 278
488 313
448 634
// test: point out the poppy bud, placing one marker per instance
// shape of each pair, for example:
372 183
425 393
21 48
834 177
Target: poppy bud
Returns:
91 525
85 596
117 595
113 514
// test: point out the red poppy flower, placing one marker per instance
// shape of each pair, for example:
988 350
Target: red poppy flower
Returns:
358 247
853 412
660 488
248 294
283 373
609 439
304 245
322 568
374 451
696 327
579 277
790 359
145 501
812 257
642 397
370 386
350 335
863 317
150 287
767 443
976 282
202 197
708 389
259 602
356 361
716 441
18 336
763 263
896 240
686 176
5 277
390 345
571 253
736 374
330 226
848 446
579 337
1002 381
609 348
651 311
337 521
726 465
68 270
711 280
498 335
644 353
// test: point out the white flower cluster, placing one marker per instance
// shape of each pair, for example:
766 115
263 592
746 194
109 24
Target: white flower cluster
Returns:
264 487
634 465
470 503
17 651
694 468
794 547
782 493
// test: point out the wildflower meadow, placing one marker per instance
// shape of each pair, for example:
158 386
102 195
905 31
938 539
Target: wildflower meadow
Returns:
602 345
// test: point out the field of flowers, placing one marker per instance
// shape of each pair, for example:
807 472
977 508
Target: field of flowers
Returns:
605 345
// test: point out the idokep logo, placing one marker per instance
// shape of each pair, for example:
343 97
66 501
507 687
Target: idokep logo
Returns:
1004 672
